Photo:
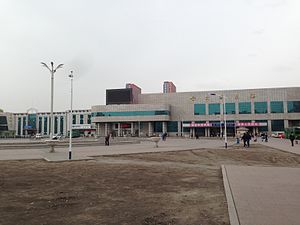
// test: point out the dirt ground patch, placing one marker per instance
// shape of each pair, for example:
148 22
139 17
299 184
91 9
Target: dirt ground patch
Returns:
168 188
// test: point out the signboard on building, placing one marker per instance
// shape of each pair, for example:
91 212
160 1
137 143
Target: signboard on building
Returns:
230 124
81 126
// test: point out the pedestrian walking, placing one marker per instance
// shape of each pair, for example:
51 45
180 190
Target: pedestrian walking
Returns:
292 138
266 137
246 139
107 140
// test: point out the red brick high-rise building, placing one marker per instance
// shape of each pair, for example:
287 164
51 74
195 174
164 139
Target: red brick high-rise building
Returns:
169 87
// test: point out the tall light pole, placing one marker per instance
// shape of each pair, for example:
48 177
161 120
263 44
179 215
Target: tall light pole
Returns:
224 115
71 117
52 71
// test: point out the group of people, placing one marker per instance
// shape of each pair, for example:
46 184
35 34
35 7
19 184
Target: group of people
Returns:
246 139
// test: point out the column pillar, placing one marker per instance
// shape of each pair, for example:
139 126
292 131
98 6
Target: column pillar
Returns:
58 124
164 127
105 128
150 129
48 125
286 124
17 124
37 123
98 129
43 122
119 129
179 128
194 132
132 129
21 133
269 127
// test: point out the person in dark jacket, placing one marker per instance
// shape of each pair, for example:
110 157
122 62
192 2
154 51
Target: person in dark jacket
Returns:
107 139
246 139
292 138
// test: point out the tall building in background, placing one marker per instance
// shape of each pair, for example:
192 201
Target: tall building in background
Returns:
135 92
169 87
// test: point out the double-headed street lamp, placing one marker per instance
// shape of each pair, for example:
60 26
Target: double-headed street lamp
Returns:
223 97
71 117
52 71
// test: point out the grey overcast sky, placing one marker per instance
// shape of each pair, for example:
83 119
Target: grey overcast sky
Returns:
197 44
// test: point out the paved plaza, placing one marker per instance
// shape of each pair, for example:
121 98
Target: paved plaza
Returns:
87 152
255 195
262 195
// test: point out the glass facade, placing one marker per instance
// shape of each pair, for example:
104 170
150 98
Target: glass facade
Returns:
293 106
61 129
40 124
133 113
45 124
263 128
172 126
199 109
19 126
24 122
245 108
277 125
214 109
158 127
230 108
260 107
55 124
32 121
277 107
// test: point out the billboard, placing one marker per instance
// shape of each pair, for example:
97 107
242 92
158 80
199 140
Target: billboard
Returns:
118 96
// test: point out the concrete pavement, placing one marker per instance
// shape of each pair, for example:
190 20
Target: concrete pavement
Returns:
282 144
87 152
262 195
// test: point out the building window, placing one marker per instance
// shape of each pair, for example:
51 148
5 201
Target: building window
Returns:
45 125
32 121
260 107
277 125
61 129
89 119
133 113
172 126
158 127
277 107
293 106
74 119
55 124
245 108
214 109
81 119
40 124
24 122
199 109
230 108
262 128
19 126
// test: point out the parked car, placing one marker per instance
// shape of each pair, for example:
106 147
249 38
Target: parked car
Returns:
57 136
38 136
279 134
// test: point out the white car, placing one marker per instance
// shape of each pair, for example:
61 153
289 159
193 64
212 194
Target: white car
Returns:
38 136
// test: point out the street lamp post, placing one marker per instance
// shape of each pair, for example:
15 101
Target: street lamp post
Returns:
71 117
52 71
224 115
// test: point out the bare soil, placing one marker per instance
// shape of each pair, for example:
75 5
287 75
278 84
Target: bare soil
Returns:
168 188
